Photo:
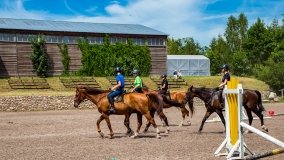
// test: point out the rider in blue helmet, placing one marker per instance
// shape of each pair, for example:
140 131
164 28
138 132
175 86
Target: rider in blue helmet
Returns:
116 90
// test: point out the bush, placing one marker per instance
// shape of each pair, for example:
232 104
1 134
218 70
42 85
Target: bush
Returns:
39 56
65 58
101 60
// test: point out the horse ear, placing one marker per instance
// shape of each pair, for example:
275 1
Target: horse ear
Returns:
191 87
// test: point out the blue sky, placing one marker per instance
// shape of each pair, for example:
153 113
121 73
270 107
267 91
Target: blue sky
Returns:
200 19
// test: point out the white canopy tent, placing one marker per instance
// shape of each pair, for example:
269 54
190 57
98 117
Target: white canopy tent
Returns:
189 65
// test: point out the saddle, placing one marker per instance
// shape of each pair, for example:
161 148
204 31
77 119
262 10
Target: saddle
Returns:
120 98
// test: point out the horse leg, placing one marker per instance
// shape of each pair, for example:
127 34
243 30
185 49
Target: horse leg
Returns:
152 121
165 119
147 126
260 116
152 113
220 114
139 124
250 118
207 114
126 123
109 125
98 126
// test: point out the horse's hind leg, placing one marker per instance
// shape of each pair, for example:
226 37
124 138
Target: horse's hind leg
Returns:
260 116
98 126
165 119
220 114
152 121
250 118
139 124
207 114
152 113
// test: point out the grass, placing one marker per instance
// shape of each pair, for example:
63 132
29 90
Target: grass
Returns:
57 88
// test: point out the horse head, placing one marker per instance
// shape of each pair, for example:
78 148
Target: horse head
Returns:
190 94
80 95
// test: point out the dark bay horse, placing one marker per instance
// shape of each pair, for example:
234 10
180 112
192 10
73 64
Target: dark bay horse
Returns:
212 99
142 104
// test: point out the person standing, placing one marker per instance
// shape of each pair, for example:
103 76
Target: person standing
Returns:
116 90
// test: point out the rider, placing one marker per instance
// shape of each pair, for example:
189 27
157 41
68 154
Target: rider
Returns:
163 92
137 82
116 90
226 77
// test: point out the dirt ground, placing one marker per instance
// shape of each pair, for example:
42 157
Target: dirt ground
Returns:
71 134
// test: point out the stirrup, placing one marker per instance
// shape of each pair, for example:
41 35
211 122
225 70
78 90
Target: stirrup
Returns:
111 110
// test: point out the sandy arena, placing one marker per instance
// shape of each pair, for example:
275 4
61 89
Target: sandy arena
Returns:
71 134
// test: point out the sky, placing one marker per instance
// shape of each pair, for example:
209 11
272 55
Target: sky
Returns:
199 19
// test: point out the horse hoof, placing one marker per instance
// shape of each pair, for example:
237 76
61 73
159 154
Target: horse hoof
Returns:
101 134
189 123
158 136
133 136
199 132
247 132
180 125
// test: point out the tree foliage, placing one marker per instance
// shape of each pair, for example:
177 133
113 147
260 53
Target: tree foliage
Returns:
39 56
101 60
184 46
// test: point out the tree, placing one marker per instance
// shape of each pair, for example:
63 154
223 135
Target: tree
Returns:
190 47
173 46
39 56
217 53
254 44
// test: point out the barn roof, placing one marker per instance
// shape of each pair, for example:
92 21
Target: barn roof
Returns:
84 27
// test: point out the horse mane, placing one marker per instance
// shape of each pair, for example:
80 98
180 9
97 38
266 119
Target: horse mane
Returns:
95 90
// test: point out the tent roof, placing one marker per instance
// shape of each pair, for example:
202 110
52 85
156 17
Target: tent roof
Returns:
187 57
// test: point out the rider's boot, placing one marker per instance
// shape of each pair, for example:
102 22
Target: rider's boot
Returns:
111 108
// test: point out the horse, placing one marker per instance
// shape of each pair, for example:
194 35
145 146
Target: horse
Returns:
213 99
178 98
142 104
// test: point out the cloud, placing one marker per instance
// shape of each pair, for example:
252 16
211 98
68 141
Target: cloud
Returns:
179 19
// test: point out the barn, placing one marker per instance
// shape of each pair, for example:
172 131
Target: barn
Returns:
188 65
15 46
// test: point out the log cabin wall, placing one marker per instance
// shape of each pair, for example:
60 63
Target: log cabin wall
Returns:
15 59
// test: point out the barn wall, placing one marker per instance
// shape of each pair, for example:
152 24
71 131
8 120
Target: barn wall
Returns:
15 59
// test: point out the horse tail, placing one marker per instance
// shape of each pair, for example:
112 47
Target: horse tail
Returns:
155 102
260 106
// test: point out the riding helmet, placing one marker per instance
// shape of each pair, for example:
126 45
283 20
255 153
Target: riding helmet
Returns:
135 71
163 75
118 69
225 66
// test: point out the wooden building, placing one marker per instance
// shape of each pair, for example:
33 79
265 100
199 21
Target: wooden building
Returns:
15 46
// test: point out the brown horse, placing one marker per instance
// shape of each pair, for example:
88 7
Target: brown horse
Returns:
212 99
142 104
178 98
